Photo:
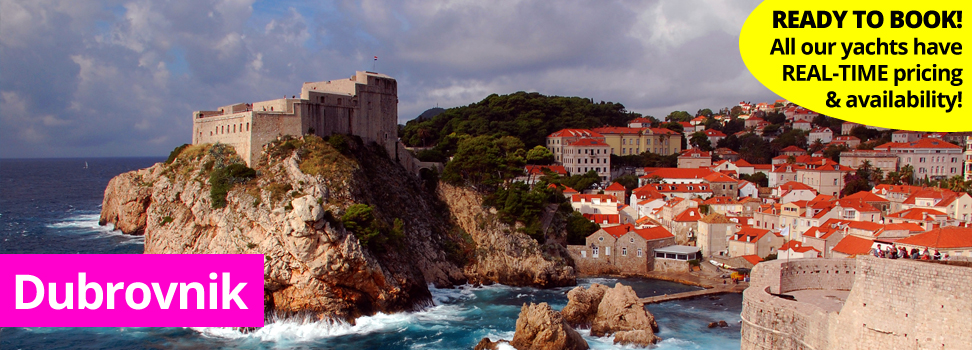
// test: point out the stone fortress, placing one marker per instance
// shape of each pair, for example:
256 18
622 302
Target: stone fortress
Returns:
862 303
365 105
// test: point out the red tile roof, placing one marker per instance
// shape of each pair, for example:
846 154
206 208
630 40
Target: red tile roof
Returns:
682 188
798 247
602 219
678 173
792 148
618 130
689 215
618 231
694 153
538 169
615 187
752 259
754 233
921 143
853 245
866 196
718 177
588 142
592 197
918 214
948 237
793 186
909 226
653 233
575 133
663 131
641 120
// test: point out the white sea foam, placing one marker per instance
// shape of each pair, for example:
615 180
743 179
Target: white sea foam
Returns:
88 223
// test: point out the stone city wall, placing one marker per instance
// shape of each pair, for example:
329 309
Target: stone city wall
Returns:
892 304
669 265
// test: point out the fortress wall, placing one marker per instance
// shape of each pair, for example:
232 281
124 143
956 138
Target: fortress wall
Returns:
831 274
221 129
266 128
771 323
892 304
906 304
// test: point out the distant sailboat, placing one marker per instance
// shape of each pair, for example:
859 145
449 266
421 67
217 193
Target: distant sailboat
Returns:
85 165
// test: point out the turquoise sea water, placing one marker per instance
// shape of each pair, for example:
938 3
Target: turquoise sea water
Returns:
50 206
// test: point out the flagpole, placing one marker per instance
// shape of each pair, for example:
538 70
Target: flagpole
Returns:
374 64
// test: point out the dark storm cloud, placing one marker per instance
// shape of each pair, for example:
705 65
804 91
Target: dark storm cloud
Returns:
120 78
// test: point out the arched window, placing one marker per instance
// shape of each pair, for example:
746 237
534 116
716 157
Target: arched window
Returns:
234 128
247 126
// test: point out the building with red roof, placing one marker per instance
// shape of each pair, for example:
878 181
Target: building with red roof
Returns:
694 158
676 175
587 154
925 217
793 151
852 246
825 176
620 249
793 191
954 204
714 136
595 203
750 240
930 157
797 250
954 241
824 135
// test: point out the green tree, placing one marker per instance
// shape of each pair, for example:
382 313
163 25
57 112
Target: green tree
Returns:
678 116
578 228
539 155
705 112
701 141
759 179
485 162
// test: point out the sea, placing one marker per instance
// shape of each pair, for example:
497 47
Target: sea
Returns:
51 206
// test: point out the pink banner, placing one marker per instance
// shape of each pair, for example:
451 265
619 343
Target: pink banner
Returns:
133 290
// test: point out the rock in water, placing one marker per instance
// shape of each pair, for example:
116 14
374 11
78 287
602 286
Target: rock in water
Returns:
541 328
582 305
608 311
641 337
487 344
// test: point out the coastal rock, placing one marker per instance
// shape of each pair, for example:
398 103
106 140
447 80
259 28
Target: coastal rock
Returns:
487 344
622 310
582 305
126 199
608 311
540 328
312 263
641 338
503 254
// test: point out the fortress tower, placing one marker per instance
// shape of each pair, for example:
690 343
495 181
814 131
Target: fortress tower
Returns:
365 105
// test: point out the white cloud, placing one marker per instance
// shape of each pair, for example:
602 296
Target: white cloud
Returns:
121 77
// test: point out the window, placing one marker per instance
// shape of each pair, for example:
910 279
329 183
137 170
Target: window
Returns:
632 239
607 250
594 251
247 126
600 239
624 251
583 253
639 252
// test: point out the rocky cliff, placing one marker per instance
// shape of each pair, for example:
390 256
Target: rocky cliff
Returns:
607 311
504 255
292 211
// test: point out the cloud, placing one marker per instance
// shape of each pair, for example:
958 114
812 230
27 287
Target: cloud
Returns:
121 77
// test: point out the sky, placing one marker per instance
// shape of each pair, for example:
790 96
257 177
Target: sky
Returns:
121 78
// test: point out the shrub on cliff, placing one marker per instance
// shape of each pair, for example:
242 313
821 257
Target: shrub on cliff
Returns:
373 233
175 153
578 228
222 180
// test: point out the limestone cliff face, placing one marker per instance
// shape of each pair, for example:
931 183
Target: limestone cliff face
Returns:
502 254
313 264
